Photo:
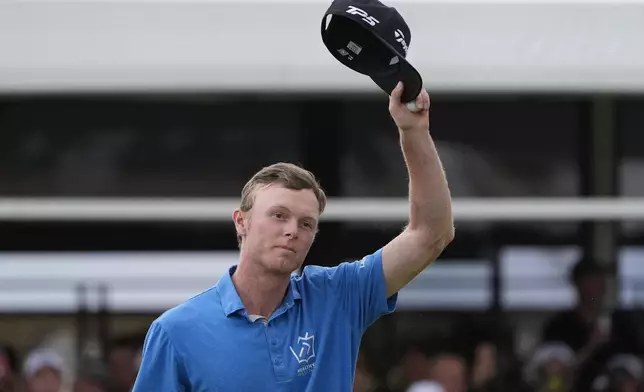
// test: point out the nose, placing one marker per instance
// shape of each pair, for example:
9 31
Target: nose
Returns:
291 229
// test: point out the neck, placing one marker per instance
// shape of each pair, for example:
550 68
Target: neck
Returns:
261 292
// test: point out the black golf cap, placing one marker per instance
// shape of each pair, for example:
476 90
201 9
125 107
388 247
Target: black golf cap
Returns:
372 39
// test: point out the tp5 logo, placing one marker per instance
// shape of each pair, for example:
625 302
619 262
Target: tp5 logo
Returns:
357 11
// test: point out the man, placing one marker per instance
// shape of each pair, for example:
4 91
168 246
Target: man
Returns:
580 328
121 363
435 364
261 327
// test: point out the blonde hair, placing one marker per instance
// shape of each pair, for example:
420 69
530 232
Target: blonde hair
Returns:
289 176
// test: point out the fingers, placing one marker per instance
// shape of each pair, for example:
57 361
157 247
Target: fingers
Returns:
396 93
425 98
421 101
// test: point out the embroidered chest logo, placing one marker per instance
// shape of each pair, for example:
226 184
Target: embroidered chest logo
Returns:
304 352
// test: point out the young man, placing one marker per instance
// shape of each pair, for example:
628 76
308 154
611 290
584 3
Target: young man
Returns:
261 327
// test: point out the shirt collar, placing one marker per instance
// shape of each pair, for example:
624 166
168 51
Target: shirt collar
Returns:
232 303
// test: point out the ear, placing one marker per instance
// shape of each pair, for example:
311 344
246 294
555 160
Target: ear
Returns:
240 223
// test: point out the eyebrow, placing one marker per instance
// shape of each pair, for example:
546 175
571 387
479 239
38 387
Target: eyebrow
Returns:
278 206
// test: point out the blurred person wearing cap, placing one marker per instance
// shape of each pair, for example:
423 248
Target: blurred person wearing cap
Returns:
43 371
551 368
585 327
623 373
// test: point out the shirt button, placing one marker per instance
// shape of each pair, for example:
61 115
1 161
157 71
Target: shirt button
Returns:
274 342
278 361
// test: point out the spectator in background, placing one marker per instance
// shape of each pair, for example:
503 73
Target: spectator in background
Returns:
92 377
484 368
9 377
623 373
122 363
449 370
365 376
428 366
583 328
551 368
43 371
414 364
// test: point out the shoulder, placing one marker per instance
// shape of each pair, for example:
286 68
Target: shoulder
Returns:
315 275
180 318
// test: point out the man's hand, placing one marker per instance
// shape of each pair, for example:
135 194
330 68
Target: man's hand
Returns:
406 119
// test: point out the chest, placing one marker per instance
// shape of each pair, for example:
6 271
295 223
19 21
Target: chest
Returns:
293 352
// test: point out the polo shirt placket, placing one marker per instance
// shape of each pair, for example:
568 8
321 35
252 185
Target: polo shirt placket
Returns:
276 330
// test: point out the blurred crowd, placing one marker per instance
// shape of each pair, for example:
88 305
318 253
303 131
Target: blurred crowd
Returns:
46 370
584 348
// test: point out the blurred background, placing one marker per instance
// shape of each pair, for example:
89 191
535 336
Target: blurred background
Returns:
127 130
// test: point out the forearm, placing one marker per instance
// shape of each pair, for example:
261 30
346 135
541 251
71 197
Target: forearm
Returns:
429 198
430 227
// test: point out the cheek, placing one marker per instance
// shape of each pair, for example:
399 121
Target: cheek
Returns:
265 232
258 226
307 238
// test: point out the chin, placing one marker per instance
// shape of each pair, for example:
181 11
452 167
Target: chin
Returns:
283 265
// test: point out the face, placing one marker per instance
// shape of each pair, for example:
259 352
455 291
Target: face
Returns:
121 367
415 366
279 229
592 288
449 371
45 380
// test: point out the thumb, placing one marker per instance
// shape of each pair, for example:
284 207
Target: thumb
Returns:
396 93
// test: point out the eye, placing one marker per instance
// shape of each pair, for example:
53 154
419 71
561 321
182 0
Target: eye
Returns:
279 215
307 225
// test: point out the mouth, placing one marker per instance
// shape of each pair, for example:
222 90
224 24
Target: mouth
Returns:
287 248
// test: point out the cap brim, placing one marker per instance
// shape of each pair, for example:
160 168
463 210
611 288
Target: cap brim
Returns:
412 81
407 74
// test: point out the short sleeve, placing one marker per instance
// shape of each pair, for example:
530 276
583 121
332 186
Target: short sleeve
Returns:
161 368
362 288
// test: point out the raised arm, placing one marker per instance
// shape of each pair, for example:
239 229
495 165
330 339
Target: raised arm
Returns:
430 228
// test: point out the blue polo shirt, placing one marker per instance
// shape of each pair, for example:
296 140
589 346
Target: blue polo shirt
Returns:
310 343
